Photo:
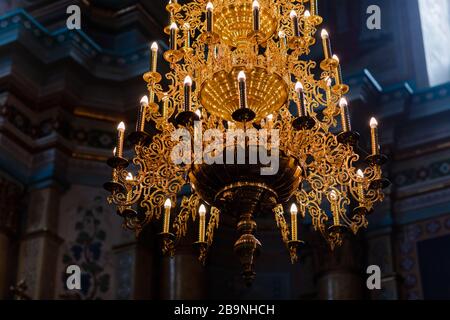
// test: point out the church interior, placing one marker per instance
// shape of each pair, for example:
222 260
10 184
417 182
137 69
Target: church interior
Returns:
63 91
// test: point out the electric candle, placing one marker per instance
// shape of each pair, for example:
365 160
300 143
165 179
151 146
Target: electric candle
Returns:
360 175
374 136
326 44
338 71
202 223
140 123
256 16
301 108
294 211
120 137
173 36
209 17
166 223
345 117
154 56
187 93
294 19
242 90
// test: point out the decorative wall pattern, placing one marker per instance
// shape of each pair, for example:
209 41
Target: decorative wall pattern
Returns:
407 262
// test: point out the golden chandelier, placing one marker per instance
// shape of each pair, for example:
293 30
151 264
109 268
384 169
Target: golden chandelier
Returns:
236 65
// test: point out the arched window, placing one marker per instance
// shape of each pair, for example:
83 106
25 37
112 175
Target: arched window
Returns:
435 22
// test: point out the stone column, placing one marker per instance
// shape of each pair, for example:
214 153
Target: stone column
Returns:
40 243
9 217
338 272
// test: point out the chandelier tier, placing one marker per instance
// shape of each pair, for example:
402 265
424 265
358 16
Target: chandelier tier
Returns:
236 65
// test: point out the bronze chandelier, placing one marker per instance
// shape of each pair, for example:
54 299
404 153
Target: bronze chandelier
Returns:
236 65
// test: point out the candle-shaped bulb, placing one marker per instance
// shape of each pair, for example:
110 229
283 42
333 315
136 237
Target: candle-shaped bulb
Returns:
166 221
281 34
188 81
202 210
294 209
167 204
373 123
187 93
173 36
295 27
256 16
209 17
374 136
360 174
345 116
114 151
198 113
329 82
270 117
301 108
154 47
129 177
338 71
242 90
153 56
333 195
307 14
121 126
326 44
144 101
241 76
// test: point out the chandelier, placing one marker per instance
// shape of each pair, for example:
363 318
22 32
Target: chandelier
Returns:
237 66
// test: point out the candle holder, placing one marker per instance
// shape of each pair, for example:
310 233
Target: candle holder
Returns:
303 123
202 248
294 246
186 119
378 160
243 115
209 38
338 229
296 43
173 56
340 89
173 7
362 211
167 243
152 77
117 163
329 64
350 138
139 138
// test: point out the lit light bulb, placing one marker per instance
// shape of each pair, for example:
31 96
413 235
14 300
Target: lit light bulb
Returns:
270 117
343 103
188 81
167 204
298 87
241 76
255 4
373 123
281 34
210 6
144 101
173 26
121 126
198 113
114 151
360 174
333 195
324 34
307 14
154 47
335 57
129 177
202 210
293 14
294 209
329 82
